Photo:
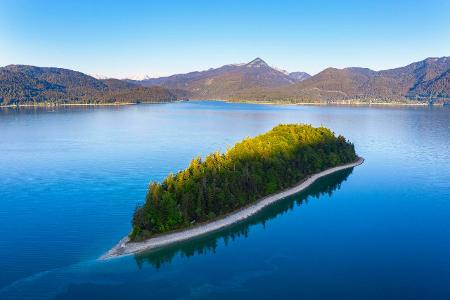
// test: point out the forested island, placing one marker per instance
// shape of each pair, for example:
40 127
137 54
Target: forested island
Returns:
223 183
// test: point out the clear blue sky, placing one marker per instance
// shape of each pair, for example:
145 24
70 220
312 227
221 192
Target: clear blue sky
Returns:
123 38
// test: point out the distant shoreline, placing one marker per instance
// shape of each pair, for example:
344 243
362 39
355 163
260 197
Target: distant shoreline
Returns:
49 105
345 103
341 103
337 103
124 247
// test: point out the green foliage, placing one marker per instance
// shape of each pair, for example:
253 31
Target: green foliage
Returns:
224 182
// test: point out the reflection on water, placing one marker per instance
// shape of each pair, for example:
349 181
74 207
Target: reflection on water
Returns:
209 243
118 279
70 179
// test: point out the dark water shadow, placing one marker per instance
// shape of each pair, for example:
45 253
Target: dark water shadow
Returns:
209 243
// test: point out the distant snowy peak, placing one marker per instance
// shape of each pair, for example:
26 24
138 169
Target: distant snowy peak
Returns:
259 63
99 76
139 77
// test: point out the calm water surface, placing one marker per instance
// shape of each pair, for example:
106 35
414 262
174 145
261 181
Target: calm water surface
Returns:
70 179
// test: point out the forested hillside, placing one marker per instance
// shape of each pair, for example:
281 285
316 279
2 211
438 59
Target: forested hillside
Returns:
20 84
423 80
224 182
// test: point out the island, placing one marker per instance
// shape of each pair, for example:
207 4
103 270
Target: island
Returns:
225 188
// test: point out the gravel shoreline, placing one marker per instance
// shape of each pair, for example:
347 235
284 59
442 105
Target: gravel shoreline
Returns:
124 247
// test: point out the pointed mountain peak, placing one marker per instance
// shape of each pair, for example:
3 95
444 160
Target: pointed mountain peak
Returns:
257 62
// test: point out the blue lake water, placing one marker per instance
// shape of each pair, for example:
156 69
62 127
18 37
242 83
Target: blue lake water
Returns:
70 179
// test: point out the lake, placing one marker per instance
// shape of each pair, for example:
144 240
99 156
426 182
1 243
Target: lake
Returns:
70 179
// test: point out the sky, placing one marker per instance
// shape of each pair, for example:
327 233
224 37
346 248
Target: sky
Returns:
132 38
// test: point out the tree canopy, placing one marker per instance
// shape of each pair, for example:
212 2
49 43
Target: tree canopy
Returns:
224 182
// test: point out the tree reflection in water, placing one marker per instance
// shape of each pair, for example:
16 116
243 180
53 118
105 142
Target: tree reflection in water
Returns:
208 243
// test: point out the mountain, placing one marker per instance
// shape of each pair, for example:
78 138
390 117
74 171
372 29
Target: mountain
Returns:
427 78
299 76
225 81
420 80
21 84
117 84
438 86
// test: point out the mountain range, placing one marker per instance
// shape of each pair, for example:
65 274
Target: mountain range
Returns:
257 81
253 81
224 81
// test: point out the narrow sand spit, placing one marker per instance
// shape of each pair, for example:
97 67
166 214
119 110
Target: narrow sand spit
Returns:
124 247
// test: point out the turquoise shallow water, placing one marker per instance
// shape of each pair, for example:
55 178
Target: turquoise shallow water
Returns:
71 177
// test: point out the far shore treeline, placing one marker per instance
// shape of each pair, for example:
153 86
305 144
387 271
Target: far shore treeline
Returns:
225 182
